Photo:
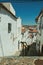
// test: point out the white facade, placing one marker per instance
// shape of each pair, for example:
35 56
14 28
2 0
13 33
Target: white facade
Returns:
25 36
40 30
9 40
19 36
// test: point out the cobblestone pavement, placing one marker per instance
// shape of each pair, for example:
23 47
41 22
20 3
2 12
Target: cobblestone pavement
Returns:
17 61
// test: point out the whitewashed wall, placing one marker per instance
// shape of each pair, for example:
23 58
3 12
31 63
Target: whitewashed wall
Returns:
19 36
40 31
9 47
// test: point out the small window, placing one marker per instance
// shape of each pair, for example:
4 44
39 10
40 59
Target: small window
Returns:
0 19
9 27
42 26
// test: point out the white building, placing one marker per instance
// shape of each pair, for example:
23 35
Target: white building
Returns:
10 30
25 34
39 21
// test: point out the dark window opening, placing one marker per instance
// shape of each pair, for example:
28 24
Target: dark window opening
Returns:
42 26
42 48
9 27
0 19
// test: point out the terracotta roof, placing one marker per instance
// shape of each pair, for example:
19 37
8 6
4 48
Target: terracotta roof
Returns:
33 31
31 28
8 10
39 15
23 29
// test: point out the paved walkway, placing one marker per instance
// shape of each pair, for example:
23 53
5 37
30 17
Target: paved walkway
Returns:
21 61
17 61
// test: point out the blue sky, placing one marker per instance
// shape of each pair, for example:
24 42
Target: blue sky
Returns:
28 11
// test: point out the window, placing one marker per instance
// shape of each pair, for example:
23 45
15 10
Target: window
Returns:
42 26
0 19
9 27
